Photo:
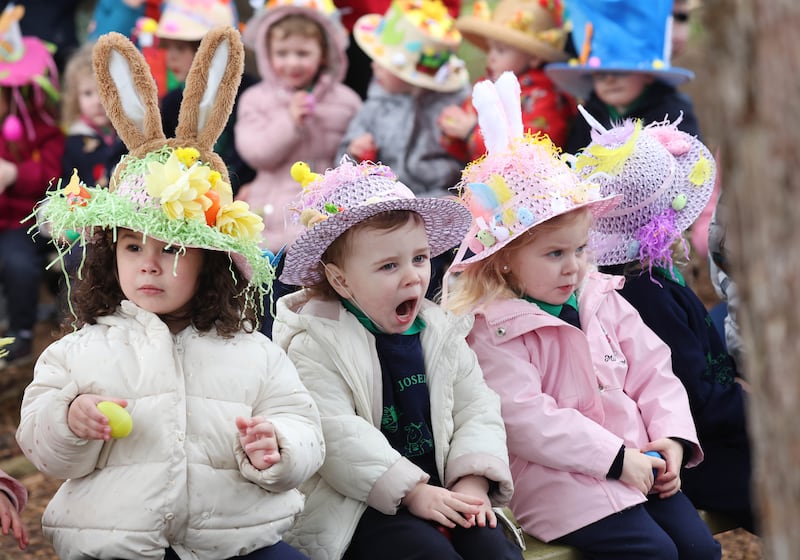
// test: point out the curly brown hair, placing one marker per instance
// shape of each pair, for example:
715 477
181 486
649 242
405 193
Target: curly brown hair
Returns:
218 303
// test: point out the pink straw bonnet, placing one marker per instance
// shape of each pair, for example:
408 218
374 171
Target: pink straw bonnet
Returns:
332 203
521 182
666 177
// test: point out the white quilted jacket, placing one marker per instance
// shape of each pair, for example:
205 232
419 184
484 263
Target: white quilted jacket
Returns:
180 478
337 361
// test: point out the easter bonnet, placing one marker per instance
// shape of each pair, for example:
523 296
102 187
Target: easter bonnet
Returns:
175 190
415 40
332 203
521 182
666 178
626 36
190 20
24 62
532 26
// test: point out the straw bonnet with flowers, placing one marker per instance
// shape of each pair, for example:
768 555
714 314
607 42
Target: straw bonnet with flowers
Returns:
190 20
532 26
415 40
175 190
666 178
521 182
350 193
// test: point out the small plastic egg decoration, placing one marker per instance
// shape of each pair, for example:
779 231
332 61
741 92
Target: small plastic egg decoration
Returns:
486 238
679 202
12 128
525 216
632 251
119 419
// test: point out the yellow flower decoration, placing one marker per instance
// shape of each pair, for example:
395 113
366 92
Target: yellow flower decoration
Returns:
179 190
238 221
701 172
4 342
222 188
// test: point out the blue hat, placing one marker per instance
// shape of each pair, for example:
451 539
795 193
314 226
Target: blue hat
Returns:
621 36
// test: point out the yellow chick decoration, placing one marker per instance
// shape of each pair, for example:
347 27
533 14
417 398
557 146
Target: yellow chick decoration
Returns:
75 192
187 156
302 173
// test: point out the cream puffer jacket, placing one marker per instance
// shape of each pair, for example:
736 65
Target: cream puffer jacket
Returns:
181 478
336 359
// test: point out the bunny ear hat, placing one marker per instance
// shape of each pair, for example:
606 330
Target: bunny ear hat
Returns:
521 182
175 190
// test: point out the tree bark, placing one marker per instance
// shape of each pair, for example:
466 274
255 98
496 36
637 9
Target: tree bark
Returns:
753 62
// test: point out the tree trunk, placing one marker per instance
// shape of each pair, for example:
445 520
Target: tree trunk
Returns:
753 67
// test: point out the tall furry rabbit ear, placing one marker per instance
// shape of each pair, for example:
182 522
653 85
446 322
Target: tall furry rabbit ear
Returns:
128 91
499 111
211 87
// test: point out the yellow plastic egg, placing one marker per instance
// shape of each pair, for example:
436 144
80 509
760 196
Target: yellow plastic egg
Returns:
118 418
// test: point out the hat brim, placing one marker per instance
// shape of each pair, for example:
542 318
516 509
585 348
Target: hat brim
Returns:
478 32
611 245
35 61
366 38
596 207
577 80
109 211
446 223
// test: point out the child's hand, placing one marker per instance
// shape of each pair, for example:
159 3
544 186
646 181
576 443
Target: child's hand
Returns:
478 487
363 147
668 481
301 105
8 174
637 470
86 421
11 521
257 436
443 506
455 122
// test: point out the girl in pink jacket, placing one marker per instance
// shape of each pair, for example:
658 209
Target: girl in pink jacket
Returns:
586 388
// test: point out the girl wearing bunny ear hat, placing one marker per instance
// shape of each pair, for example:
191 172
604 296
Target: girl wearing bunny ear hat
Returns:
222 429
585 386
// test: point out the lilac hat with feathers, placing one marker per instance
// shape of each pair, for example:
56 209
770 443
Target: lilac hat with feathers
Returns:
350 193
521 182
666 177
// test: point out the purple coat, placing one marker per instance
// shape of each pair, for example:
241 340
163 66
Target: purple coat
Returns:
570 398
267 139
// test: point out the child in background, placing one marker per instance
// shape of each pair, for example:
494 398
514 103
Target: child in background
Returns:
667 177
586 388
298 111
13 498
520 37
92 145
397 123
222 429
420 456
623 70
31 146
182 25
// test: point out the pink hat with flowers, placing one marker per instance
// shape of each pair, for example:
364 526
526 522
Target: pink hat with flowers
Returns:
24 61
521 182
332 203
666 178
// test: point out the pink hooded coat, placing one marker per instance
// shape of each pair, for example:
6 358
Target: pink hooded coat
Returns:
267 138
570 398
